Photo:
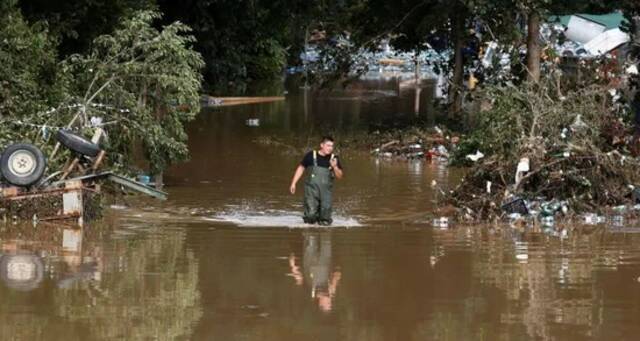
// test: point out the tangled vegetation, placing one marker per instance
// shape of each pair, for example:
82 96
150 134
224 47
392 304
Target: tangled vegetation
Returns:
578 142
139 83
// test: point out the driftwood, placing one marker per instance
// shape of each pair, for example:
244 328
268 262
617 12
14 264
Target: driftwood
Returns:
231 101
388 144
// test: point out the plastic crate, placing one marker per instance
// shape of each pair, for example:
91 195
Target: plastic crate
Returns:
516 206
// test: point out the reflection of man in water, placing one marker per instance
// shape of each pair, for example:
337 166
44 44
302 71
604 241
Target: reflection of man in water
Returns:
316 263
323 167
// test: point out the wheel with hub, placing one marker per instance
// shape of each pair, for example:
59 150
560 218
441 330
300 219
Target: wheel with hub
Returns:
22 164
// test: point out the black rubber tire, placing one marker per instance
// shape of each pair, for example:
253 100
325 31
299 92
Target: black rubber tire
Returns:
26 284
77 143
33 175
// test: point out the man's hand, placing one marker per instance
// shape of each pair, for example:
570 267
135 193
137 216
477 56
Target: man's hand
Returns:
337 171
296 176
334 163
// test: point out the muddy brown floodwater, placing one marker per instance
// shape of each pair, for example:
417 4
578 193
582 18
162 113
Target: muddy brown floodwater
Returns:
226 258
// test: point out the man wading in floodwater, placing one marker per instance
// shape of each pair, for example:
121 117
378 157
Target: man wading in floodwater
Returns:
323 167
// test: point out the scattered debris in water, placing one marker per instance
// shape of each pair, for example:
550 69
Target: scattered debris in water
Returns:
231 101
475 157
253 122
617 221
414 144
548 221
442 222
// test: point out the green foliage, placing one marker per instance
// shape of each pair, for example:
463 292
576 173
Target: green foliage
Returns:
74 24
240 40
269 61
143 83
497 129
518 113
409 23
29 81
243 40
150 77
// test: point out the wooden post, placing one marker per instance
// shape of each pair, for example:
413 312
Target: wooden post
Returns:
70 169
98 161
159 179
533 47
72 201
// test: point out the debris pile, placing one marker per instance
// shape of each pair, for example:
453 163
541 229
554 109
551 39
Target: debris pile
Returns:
569 152
586 35
50 204
434 143
27 194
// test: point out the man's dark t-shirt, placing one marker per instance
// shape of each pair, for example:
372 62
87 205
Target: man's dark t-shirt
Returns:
323 161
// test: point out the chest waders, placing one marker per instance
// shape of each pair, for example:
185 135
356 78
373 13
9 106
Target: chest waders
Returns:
318 193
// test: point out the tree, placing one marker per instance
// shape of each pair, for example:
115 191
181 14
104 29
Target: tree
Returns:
141 83
242 40
143 80
76 23
29 79
458 23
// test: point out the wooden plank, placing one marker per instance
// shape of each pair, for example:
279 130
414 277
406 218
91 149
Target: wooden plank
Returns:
413 83
229 101
43 193
98 160
10 192
73 184
69 169
61 217
137 186
391 61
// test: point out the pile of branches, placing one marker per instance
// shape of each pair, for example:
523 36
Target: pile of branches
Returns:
579 145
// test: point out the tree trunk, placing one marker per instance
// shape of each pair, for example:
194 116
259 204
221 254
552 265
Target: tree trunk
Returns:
533 47
418 88
457 82
635 36
416 102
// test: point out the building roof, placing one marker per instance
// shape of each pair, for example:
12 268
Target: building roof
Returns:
610 21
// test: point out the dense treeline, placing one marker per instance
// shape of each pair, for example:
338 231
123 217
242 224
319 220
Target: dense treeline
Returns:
53 52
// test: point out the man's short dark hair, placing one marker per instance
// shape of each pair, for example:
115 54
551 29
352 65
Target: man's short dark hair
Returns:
327 138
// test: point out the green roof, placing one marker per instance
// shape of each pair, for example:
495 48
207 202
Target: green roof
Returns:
561 19
610 21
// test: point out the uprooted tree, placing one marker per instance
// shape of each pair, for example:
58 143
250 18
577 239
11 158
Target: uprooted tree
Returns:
139 83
